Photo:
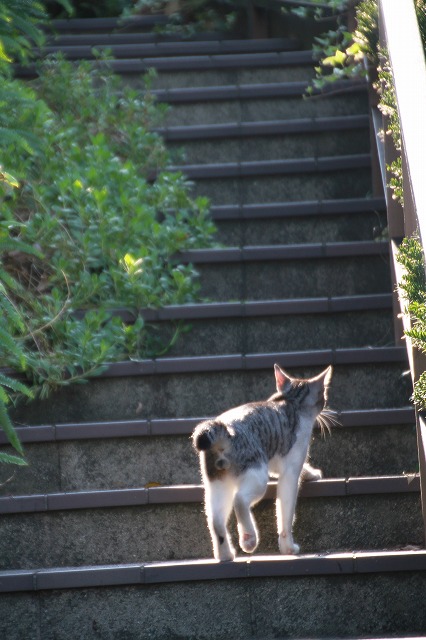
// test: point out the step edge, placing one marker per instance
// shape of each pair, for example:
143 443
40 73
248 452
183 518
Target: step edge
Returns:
263 128
180 494
155 427
349 563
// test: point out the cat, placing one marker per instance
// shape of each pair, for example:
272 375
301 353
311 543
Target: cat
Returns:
240 448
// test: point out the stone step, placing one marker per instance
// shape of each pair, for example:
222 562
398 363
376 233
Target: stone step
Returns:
299 222
183 387
291 271
269 181
270 597
354 327
64 529
97 26
130 454
259 101
208 70
268 140
137 50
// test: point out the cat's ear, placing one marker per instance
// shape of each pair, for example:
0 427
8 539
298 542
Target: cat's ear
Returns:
282 379
322 381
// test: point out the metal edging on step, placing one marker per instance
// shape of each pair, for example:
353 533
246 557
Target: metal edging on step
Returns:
282 252
157 573
172 427
173 48
270 168
235 362
262 128
180 494
243 92
306 208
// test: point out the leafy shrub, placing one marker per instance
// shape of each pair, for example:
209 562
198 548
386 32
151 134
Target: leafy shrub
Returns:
413 286
104 217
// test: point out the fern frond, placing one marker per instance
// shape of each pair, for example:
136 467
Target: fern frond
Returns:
7 458
9 430
14 385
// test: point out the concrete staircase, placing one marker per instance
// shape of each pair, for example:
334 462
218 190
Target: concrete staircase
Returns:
104 535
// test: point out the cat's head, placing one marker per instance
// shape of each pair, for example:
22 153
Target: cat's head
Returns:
310 393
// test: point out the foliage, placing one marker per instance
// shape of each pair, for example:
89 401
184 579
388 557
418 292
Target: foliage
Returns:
103 217
85 9
187 17
19 30
413 285
342 53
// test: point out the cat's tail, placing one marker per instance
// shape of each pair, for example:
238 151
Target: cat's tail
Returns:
208 433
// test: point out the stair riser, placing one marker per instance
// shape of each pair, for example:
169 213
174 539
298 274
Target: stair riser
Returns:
262 608
283 333
347 183
132 534
253 110
207 394
222 77
120 463
271 147
336 228
294 278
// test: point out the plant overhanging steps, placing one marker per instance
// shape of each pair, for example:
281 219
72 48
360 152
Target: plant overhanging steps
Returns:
300 248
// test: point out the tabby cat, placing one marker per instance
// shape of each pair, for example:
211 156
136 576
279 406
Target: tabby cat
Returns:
243 446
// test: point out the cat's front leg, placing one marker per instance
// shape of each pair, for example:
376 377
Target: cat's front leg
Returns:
218 500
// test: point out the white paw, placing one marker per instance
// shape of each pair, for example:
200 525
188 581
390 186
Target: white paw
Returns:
248 542
288 547
225 553
310 473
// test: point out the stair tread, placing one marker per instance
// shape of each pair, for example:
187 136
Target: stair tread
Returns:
174 48
302 208
158 495
354 562
265 127
61 432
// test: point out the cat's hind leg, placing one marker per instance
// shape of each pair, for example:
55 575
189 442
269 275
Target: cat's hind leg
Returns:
219 496
251 488
310 473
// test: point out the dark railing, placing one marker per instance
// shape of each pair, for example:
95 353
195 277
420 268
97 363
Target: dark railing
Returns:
400 37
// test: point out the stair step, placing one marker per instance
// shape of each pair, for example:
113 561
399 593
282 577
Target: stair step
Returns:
205 70
85 600
269 140
126 454
107 25
181 387
291 271
299 222
258 101
259 326
137 50
65 528
355 562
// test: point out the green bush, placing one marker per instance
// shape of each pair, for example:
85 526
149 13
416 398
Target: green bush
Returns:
104 216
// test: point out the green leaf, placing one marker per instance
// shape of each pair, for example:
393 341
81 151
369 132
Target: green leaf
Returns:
10 459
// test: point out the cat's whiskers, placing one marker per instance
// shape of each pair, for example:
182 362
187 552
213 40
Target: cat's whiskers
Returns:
326 420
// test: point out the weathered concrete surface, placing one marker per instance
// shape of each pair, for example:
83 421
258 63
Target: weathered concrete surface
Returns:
178 531
120 463
297 607
207 394
346 183
303 145
297 332
215 112
324 228
294 278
